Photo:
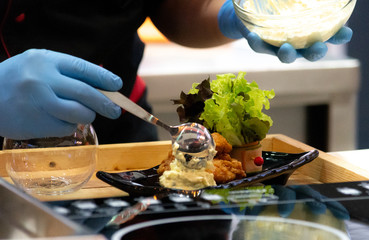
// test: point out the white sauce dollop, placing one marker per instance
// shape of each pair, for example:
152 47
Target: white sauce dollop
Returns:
182 176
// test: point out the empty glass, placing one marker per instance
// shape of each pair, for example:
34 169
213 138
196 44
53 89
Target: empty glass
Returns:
52 166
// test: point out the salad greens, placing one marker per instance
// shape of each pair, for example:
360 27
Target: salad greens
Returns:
230 106
244 196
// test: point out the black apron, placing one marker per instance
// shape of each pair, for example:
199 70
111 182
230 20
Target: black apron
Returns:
103 32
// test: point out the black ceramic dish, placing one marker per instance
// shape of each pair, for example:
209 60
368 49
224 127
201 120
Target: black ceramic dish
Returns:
277 168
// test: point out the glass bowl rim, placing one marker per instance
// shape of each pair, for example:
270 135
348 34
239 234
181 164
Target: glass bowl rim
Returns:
240 10
124 231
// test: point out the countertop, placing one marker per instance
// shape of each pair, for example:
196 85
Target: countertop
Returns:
359 158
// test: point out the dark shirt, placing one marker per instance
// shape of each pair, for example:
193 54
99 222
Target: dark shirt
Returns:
103 32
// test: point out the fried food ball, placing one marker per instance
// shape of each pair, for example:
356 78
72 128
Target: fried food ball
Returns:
165 164
226 171
221 144
223 156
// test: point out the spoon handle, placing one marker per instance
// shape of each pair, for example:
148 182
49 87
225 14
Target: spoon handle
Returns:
130 106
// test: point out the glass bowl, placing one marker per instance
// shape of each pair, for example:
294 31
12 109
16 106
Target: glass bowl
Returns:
228 227
52 166
301 25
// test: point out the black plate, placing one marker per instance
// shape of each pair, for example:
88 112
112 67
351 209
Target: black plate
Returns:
277 168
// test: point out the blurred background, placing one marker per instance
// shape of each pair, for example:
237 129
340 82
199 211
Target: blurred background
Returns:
323 104
359 48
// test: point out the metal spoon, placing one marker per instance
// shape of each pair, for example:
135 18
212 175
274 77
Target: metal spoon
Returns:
193 139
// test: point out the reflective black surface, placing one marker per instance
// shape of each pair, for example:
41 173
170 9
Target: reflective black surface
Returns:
341 206
277 169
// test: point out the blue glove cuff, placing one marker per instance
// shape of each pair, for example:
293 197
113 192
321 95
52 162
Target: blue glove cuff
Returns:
228 21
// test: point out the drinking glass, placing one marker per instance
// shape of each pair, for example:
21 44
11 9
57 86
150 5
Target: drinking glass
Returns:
54 165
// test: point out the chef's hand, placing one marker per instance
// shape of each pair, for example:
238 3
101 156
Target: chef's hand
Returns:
318 205
232 27
46 94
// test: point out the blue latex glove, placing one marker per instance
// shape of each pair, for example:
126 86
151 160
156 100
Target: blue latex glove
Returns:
232 27
46 94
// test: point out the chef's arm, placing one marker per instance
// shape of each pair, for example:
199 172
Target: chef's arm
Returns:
192 23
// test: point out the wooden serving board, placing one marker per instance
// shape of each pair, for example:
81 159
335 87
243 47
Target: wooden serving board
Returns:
130 156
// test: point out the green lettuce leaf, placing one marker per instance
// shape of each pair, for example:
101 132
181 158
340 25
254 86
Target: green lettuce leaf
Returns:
230 106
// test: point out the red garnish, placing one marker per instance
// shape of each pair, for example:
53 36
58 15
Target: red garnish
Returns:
20 17
258 161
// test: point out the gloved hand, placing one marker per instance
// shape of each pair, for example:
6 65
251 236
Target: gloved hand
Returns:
231 26
46 94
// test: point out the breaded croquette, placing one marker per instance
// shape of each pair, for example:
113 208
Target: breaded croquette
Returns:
221 144
226 171
165 164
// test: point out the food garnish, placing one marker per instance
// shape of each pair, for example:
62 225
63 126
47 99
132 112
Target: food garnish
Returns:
229 105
